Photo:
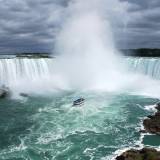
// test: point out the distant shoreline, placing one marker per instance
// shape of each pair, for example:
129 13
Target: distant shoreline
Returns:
141 52
26 55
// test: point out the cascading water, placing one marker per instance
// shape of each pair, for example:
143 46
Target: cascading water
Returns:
12 70
40 74
146 66
29 75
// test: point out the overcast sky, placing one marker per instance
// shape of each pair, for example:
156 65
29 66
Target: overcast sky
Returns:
31 25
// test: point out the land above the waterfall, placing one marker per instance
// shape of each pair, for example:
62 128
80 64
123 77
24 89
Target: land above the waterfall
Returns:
26 55
141 52
34 55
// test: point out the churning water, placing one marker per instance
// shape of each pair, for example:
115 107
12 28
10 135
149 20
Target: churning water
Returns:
50 128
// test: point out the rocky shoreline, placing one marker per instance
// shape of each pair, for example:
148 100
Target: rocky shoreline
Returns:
151 125
143 154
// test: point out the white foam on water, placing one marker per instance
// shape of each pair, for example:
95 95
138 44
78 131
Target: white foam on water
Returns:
150 108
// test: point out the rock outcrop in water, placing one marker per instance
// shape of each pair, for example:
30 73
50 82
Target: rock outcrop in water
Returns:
152 123
4 92
24 95
143 154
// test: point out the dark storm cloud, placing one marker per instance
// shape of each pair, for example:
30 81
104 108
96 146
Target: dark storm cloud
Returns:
31 25
143 28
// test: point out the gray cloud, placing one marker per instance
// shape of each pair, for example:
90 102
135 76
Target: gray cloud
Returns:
143 26
30 26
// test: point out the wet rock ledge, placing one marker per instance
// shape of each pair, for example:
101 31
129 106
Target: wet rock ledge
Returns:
152 123
143 154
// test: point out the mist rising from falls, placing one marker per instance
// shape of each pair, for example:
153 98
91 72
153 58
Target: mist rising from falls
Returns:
87 57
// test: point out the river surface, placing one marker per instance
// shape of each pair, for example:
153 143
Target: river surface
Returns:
46 128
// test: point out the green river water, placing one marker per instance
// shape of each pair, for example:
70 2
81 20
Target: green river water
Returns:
49 128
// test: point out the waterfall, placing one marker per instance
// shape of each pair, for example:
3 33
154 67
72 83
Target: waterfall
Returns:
41 74
12 70
146 66
30 75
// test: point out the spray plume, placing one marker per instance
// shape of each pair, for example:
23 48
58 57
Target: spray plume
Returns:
88 57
